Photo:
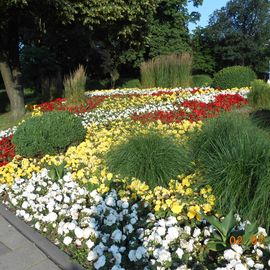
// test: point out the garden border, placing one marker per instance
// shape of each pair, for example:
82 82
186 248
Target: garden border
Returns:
60 258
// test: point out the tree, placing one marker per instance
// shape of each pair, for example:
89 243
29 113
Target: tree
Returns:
27 22
169 28
239 34
203 57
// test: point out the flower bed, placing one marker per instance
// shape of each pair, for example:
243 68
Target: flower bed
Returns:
105 221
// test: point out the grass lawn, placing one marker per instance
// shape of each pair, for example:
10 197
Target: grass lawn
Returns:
6 120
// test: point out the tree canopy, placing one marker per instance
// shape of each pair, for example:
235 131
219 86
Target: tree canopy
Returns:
239 34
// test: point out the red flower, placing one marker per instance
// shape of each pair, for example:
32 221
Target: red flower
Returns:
7 150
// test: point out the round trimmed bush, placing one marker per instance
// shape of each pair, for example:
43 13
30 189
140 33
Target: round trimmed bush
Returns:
235 76
233 156
201 80
50 133
150 158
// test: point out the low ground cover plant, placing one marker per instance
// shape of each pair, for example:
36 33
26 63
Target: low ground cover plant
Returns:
50 133
235 76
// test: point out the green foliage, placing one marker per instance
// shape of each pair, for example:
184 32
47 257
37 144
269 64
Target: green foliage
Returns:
238 34
97 84
167 71
168 32
236 76
74 86
227 228
223 229
233 156
131 83
259 96
201 80
150 158
203 57
49 133
56 172
261 118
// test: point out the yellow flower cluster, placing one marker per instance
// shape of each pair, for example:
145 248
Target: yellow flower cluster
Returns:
181 198
18 168
86 161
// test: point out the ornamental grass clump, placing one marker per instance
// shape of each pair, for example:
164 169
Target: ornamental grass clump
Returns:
234 158
172 70
259 95
74 86
50 133
151 158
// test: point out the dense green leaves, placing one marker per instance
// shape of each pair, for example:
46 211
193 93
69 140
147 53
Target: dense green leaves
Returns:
49 133
236 76
238 34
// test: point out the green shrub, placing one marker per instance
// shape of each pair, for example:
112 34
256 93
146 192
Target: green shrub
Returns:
259 96
172 70
131 83
98 84
201 80
150 158
49 133
74 86
236 76
233 156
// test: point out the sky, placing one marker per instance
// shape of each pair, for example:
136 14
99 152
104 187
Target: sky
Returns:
207 8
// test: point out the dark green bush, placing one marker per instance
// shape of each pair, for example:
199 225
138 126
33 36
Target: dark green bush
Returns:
233 156
236 76
49 133
259 96
131 83
151 158
201 80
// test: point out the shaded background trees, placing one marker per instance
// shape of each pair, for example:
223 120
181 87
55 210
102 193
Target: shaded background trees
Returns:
238 34
42 41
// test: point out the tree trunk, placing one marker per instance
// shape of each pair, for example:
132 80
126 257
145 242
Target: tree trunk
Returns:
10 66
12 81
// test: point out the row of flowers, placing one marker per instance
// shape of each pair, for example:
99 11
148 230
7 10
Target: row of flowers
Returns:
107 222
107 230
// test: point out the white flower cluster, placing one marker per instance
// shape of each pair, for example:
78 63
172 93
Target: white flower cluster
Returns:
174 246
118 234
136 91
104 116
107 227
7 132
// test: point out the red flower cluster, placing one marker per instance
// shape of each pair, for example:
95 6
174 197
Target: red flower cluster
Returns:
59 104
7 150
194 110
